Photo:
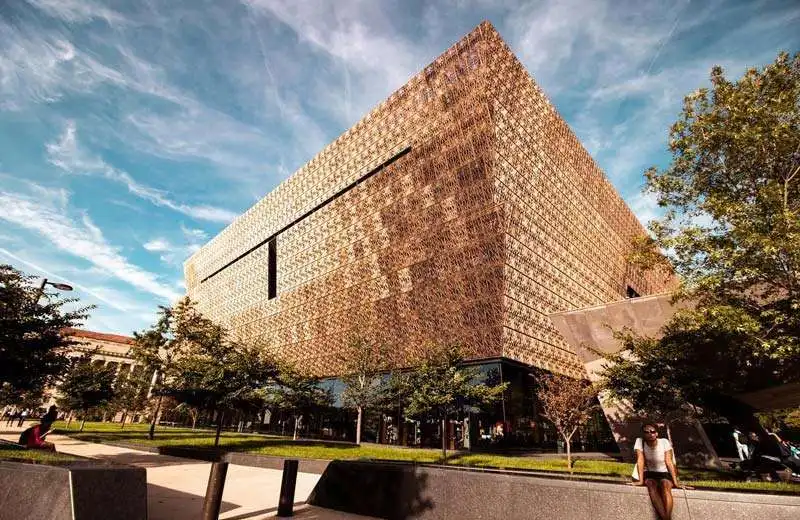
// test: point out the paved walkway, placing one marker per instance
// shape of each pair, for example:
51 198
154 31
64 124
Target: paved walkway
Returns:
176 486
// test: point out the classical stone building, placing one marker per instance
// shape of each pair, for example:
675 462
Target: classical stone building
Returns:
461 209
105 349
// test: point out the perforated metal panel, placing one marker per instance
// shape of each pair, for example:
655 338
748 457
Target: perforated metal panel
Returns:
487 216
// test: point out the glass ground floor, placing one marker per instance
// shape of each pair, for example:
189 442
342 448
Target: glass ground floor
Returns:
512 423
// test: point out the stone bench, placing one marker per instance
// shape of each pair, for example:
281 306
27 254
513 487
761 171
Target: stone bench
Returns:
399 491
72 491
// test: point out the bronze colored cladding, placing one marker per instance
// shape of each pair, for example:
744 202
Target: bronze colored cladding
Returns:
494 218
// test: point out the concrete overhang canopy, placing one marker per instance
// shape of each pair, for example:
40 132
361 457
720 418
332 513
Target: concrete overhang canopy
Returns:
775 398
595 326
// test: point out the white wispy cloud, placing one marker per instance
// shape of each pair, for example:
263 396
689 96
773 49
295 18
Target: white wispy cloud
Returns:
80 238
173 253
67 154
77 10
113 302
36 67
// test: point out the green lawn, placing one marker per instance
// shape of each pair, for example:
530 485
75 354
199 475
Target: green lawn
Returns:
284 447
12 454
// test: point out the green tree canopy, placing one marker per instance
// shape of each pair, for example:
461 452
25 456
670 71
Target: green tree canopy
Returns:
442 386
130 392
732 231
86 386
198 364
32 344
158 348
365 363
732 194
296 393
220 375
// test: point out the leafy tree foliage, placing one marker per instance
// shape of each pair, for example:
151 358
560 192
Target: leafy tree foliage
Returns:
732 231
442 386
365 364
32 346
219 375
296 393
158 348
197 364
567 403
86 387
130 393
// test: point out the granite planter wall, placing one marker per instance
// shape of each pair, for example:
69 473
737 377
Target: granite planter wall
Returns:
400 491
76 491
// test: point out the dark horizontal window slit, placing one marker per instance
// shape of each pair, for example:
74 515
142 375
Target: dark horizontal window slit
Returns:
319 206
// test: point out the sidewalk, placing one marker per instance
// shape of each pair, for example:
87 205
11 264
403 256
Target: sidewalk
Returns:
176 486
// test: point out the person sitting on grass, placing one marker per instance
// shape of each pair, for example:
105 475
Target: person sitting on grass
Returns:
656 470
33 437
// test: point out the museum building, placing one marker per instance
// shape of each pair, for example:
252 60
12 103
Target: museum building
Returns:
462 209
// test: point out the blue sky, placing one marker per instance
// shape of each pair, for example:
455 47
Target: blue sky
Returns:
133 131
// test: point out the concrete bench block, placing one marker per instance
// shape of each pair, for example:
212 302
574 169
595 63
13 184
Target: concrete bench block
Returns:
400 491
75 491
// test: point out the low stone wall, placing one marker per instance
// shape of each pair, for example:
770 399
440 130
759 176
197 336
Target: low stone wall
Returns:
75 491
400 491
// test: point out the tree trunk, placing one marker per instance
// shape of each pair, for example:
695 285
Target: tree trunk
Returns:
444 439
358 425
296 424
569 453
219 429
69 420
194 421
124 416
152 431
83 422
568 441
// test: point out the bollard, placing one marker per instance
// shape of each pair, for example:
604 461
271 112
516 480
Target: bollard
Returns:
288 483
216 483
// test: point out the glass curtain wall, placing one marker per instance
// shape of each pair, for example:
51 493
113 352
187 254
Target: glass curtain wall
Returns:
511 423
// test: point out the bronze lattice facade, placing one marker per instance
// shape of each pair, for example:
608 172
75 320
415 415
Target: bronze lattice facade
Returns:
461 209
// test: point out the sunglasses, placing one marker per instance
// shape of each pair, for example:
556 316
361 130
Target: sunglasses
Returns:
650 431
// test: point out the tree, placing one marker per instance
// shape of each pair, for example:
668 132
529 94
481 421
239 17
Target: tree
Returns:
220 375
32 344
158 348
365 363
192 411
297 394
732 231
130 393
442 386
567 403
86 387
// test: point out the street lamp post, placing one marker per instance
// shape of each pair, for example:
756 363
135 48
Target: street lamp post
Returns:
45 281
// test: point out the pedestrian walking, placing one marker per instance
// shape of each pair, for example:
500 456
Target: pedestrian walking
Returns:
741 445
22 417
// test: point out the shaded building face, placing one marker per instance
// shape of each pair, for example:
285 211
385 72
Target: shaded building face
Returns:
460 210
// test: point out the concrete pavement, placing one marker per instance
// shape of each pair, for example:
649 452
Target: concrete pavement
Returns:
176 486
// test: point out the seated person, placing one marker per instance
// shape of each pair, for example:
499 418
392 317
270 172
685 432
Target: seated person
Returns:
33 437
655 468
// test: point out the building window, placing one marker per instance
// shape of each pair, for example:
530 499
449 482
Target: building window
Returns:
272 282
631 292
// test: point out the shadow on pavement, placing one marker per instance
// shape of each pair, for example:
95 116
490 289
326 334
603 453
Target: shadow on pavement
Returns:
170 504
